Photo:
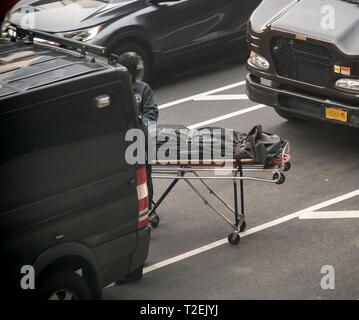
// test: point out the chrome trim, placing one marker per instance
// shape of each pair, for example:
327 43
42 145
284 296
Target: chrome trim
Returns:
298 95
103 101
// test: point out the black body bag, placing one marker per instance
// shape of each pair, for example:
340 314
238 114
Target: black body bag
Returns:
261 146
204 143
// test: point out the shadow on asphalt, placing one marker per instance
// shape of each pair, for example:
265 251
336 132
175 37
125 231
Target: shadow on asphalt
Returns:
336 141
196 69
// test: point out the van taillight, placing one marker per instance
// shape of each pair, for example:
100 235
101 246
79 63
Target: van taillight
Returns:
142 194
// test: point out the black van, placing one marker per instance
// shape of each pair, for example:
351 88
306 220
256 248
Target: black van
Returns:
71 207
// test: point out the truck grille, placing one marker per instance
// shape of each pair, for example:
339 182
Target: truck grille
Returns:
301 61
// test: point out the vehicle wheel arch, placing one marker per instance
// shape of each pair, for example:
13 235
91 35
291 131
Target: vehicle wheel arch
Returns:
70 256
132 38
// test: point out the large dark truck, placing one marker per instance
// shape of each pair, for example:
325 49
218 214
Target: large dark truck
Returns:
72 210
304 59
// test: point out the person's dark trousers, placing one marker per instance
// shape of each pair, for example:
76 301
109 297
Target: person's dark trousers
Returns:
150 185
149 171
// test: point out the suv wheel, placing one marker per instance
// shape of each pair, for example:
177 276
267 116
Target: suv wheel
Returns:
64 285
144 65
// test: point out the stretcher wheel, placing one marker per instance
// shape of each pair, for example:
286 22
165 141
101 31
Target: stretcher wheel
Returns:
154 220
243 226
287 166
281 179
234 238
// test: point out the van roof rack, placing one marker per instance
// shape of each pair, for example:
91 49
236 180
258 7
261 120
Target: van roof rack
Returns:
70 44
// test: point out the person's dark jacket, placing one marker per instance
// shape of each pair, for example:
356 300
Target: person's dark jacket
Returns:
147 105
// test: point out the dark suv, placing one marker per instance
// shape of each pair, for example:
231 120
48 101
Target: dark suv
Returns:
305 59
71 207
160 32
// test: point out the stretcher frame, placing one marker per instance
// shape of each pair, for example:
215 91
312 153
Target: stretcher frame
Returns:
176 171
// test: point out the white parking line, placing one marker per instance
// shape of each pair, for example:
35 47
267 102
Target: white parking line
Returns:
330 215
264 226
226 116
191 98
218 97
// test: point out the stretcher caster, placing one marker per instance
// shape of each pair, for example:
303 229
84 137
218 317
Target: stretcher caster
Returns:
287 166
154 220
234 238
243 226
281 179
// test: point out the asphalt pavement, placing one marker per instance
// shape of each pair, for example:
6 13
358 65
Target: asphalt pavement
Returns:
281 255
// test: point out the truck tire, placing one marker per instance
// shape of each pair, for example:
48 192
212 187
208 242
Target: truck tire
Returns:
145 67
64 285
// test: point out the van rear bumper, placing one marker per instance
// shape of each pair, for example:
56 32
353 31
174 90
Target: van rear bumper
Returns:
141 253
120 268
297 103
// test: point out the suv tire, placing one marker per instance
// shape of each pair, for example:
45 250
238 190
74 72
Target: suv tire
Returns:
145 67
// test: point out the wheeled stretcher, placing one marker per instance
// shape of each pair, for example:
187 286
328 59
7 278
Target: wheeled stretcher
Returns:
231 170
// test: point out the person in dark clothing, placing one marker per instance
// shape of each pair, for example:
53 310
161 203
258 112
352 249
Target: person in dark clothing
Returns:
146 102
148 111
147 105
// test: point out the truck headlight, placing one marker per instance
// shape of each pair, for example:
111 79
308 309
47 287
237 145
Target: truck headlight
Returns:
257 61
350 84
5 25
82 35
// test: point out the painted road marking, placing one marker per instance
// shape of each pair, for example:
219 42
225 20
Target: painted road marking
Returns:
262 227
227 116
191 98
330 215
220 97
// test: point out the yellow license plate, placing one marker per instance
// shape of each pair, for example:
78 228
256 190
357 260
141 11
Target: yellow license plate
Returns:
336 114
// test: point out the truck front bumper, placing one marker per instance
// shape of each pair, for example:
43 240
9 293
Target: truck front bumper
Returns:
296 103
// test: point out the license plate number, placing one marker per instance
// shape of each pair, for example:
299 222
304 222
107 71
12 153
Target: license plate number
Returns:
336 114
